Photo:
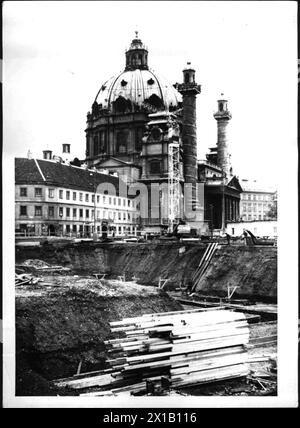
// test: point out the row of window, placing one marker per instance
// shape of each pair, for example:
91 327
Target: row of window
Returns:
255 230
111 215
98 142
251 197
254 217
74 228
255 206
105 199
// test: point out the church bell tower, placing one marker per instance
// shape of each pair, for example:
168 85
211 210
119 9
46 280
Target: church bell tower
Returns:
223 116
189 89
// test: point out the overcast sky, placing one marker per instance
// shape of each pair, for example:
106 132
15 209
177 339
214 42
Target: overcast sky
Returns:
58 54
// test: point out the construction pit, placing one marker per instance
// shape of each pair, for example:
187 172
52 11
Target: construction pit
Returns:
70 296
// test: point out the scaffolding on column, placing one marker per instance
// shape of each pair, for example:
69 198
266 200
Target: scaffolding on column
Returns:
173 185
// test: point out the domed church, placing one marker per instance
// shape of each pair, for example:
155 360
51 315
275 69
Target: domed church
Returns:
121 111
144 128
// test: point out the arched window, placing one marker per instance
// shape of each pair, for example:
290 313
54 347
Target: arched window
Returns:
155 101
155 167
221 107
121 105
138 138
96 145
186 78
102 142
122 138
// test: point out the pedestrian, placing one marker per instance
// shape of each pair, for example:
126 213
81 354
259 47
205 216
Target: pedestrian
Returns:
228 237
245 235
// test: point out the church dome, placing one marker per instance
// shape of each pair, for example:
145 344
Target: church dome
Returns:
137 84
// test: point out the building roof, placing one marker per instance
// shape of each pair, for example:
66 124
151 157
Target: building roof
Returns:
137 86
51 173
255 186
137 83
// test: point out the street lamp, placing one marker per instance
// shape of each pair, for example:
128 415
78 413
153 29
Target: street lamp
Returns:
211 219
95 236
60 224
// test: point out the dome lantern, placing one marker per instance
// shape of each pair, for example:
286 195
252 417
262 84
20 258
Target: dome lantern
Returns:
136 55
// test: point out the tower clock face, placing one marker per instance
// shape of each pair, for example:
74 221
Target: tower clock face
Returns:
156 133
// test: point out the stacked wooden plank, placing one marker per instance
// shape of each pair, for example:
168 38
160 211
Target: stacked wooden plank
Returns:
193 346
22 279
172 349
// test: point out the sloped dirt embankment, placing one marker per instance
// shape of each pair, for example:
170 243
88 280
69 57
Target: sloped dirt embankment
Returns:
252 269
146 261
60 325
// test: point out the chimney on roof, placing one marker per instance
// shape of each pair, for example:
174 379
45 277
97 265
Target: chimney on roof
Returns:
47 154
66 153
66 148
29 154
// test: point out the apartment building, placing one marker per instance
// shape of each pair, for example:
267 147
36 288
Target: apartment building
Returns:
52 198
256 201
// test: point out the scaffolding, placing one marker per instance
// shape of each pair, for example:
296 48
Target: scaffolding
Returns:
173 185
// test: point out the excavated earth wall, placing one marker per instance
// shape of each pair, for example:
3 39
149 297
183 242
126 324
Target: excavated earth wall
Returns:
146 261
252 269
65 322
62 325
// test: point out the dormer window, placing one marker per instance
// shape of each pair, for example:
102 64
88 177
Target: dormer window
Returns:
124 83
150 81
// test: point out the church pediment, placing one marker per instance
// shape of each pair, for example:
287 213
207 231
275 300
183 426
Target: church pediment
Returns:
234 182
112 163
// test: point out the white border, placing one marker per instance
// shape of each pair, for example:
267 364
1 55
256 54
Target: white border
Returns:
287 303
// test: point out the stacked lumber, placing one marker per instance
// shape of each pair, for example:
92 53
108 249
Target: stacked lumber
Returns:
171 350
194 346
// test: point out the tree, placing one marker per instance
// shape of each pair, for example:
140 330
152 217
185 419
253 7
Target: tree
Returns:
272 213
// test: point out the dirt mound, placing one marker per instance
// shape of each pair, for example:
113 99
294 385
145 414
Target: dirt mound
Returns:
35 263
65 323
36 266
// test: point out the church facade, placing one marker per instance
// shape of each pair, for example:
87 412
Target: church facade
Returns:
144 129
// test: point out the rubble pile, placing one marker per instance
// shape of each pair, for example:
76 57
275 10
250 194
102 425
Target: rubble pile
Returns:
36 265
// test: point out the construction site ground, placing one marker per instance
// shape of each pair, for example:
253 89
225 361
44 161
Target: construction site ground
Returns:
63 319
